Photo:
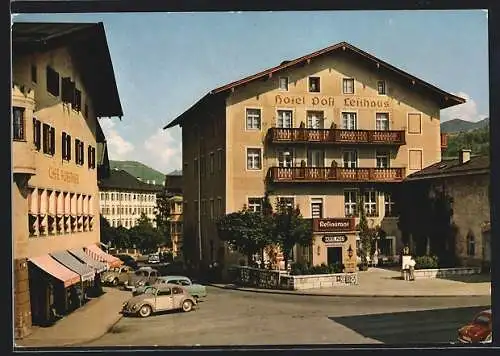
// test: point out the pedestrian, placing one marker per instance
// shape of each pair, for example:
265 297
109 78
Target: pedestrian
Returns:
375 258
411 265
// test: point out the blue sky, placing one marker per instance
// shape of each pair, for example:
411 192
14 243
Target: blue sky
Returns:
164 62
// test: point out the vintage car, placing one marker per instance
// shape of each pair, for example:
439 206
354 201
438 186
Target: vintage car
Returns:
478 330
162 298
154 258
198 291
116 275
142 277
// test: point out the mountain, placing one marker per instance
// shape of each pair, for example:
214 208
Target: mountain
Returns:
458 125
477 140
139 170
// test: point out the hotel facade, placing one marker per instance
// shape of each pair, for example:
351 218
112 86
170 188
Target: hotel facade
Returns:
327 132
63 81
173 188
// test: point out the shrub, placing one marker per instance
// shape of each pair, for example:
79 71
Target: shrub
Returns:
336 268
426 262
363 266
299 268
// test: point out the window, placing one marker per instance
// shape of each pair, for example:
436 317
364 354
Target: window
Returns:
34 74
415 160
86 110
283 83
381 89
91 160
284 119
18 124
48 139
253 119
315 158
370 203
79 152
471 245
317 208
220 157
67 90
285 158
315 119
289 202
254 159
212 162
350 159
382 121
77 100
388 205
255 204
314 85
348 86
350 202
165 291
414 123
66 146
37 134
349 120
382 159
52 81
212 208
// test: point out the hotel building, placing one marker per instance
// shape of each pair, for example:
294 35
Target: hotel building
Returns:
327 131
123 198
173 185
63 82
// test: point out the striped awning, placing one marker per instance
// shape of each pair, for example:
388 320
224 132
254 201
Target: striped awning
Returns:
96 253
86 258
56 269
86 273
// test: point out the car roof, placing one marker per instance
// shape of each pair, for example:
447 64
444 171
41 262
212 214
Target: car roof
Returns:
174 277
167 285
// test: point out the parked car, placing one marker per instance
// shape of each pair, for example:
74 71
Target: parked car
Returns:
154 258
116 275
478 330
198 291
163 297
128 260
142 277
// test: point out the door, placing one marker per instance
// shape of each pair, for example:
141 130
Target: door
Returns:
163 299
334 255
315 158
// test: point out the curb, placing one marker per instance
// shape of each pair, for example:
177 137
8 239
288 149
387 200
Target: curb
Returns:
286 292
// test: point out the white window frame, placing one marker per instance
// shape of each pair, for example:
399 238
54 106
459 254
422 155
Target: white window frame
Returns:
379 155
247 156
292 198
350 207
255 206
384 85
381 117
287 83
356 156
389 205
278 111
256 120
345 120
353 86
281 157
320 119
370 203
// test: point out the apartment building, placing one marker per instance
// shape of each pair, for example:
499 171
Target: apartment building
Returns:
123 198
63 82
173 187
327 131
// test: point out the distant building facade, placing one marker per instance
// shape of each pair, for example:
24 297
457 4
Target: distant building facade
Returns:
173 187
63 82
123 198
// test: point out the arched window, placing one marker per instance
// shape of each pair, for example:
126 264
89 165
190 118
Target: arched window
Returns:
471 245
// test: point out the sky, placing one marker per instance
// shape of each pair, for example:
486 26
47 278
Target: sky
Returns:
165 62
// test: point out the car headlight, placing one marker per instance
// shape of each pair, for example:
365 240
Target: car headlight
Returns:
135 307
140 283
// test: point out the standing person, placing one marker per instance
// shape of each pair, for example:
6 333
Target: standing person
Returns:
412 264
375 258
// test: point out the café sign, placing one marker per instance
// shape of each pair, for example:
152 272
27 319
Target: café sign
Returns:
63 175
334 239
333 225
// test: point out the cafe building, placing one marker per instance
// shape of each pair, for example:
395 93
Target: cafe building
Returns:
62 84
333 131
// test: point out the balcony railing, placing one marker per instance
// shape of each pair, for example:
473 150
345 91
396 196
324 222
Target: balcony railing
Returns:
334 174
338 136
444 141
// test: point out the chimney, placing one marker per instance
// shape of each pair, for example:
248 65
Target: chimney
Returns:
464 156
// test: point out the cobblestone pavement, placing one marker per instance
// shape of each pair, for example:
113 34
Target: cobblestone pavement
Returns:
231 317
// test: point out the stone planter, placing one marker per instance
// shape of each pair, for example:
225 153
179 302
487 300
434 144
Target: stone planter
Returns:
444 272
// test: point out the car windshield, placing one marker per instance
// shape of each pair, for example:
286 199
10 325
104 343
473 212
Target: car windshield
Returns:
150 290
482 319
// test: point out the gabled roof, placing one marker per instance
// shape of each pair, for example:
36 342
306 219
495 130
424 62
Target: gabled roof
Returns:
445 99
90 51
453 167
122 180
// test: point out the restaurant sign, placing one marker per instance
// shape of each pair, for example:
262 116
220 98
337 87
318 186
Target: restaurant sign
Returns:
334 239
333 225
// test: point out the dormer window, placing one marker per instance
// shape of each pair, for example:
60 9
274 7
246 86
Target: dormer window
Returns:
314 86
381 87
348 86
283 83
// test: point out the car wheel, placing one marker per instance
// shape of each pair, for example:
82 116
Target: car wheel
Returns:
145 311
187 306
115 282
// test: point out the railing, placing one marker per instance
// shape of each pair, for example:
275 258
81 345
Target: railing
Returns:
302 135
444 140
328 174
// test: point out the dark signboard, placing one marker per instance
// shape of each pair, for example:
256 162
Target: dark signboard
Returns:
333 225
334 239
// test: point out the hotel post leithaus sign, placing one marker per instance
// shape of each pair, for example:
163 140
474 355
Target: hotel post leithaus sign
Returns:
334 225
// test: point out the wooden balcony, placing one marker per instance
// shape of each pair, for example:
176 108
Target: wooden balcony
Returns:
334 174
444 141
336 136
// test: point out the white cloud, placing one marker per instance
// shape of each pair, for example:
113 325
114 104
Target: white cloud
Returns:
164 150
467 111
119 148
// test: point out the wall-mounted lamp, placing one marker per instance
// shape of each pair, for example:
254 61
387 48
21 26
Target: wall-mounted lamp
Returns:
318 250
350 252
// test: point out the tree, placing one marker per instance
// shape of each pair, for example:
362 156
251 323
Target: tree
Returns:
244 231
122 238
162 216
107 232
290 229
144 235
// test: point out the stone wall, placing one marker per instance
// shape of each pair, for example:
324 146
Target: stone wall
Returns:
444 272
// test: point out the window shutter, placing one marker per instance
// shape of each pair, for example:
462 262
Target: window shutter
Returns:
63 145
68 147
77 151
89 156
82 153
52 140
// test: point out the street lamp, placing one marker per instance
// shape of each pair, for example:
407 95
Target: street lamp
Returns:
350 252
